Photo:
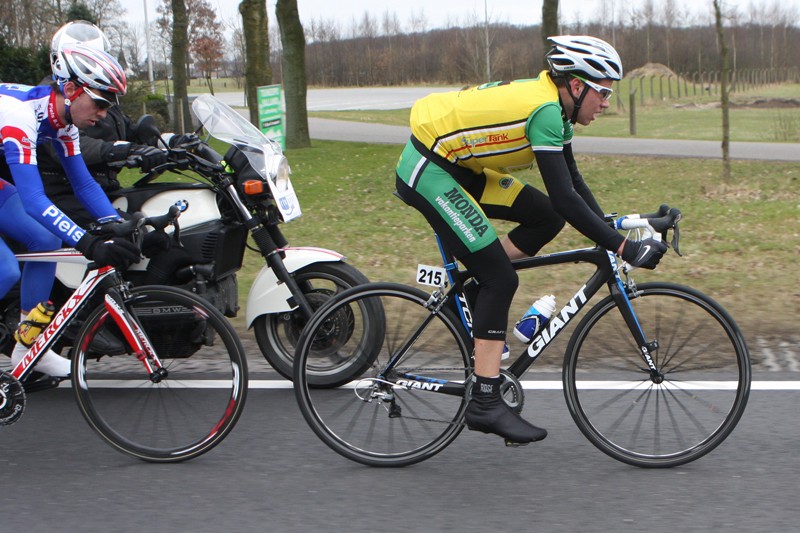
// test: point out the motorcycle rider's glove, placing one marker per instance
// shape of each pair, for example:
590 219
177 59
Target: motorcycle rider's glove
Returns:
155 242
116 251
182 139
149 156
645 254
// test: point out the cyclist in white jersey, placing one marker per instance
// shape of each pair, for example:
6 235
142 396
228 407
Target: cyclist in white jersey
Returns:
87 83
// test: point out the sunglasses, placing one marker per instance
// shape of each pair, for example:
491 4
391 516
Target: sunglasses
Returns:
101 101
605 92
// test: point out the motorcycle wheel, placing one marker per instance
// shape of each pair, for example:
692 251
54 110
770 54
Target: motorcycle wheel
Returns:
277 334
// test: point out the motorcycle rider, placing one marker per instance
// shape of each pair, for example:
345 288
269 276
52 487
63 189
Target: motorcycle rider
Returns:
87 84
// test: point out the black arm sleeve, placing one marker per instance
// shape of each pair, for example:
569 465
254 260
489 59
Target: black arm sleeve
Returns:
570 204
97 141
578 184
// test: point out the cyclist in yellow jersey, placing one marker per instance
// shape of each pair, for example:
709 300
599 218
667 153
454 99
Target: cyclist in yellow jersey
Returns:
456 171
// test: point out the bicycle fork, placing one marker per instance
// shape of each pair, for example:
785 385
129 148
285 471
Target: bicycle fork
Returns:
619 292
134 334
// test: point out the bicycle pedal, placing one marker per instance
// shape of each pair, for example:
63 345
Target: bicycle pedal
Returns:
512 444
39 382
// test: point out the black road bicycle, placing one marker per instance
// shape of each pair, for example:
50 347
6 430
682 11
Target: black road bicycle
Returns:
158 372
654 375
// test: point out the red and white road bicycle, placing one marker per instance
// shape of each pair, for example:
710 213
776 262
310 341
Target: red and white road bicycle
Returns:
157 371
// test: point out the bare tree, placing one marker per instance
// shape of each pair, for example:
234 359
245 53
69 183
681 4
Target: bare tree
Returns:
257 70
294 73
180 24
549 24
726 127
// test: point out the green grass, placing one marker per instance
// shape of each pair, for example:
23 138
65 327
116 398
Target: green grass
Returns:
692 117
740 241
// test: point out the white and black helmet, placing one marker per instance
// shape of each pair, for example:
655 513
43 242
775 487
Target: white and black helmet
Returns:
90 68
78 32
584 55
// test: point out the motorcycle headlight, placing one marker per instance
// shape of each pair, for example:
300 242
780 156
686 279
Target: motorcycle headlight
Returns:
279 172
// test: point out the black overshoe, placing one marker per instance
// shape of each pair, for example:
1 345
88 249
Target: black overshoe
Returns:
487 412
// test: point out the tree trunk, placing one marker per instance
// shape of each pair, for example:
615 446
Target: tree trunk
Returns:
180 80
294 73
549 25
726 125
257 70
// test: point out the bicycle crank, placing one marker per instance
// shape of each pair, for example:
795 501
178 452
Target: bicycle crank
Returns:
510 390
12 399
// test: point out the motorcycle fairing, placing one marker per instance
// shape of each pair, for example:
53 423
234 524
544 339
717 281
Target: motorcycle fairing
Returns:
268 296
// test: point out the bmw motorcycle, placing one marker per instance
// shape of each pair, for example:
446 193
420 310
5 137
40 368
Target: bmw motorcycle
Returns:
223 201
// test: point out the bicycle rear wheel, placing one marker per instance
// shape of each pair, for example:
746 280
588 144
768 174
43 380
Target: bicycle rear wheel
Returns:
387 418
649 422
182 415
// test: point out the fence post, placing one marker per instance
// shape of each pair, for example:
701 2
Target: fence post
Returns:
669 85
652 93
632 115
661 87
641 90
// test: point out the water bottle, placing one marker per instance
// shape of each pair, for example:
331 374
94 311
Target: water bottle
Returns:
535 318
38 319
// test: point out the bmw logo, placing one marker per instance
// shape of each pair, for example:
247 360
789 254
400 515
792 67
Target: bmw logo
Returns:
183 205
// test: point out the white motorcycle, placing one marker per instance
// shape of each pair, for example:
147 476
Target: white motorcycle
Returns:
246 192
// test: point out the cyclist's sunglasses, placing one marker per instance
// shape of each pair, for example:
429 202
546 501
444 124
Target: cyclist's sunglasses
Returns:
103 99
605 92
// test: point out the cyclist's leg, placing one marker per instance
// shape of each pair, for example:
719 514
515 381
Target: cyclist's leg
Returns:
37 278
429 185
505 197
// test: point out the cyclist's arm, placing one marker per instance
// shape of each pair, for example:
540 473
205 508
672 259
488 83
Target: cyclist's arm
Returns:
87 190
38 205
577 181
571 205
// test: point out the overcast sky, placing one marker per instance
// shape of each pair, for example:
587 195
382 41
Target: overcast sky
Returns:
521 12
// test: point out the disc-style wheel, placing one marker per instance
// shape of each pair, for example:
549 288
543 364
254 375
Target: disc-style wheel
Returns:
277 334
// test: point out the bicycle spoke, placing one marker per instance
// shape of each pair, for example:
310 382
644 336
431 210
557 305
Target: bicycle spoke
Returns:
680 414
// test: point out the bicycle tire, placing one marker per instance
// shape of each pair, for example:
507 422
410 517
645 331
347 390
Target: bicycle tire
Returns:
277 334
377 419
187 413
628 416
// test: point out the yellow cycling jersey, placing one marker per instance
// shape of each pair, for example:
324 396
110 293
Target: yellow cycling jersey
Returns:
494 126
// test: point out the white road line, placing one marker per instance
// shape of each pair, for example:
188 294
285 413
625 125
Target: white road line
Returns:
527 385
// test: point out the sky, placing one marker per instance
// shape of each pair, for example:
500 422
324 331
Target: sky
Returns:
520 12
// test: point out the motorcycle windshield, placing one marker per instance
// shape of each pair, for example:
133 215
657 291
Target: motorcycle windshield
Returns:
227 125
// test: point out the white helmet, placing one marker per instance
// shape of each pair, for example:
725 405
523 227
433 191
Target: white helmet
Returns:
581 54
90 68
77 32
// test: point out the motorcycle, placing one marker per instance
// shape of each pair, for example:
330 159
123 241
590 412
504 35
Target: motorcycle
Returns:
248 192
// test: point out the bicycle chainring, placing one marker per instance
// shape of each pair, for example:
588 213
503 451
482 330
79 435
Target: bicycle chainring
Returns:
511 391
12 399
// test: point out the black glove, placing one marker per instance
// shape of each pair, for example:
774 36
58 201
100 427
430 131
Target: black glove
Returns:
149 156
156 242
180 139
117 252
644 254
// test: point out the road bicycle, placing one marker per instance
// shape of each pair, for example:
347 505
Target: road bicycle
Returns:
158 372
654 375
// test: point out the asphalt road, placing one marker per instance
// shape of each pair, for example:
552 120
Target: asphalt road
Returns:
272 474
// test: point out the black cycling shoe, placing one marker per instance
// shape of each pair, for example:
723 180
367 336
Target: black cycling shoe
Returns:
487 412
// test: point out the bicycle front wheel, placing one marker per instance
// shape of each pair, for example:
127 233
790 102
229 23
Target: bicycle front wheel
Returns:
409 403
180 413
665 420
